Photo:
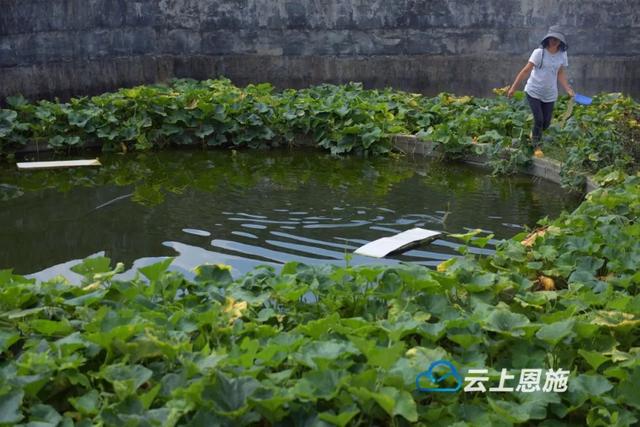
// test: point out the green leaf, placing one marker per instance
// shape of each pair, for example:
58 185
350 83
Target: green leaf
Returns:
318 384
7 339
593 358
557 331
590 385
17 101
88 404
481 282
393 401
126 378
10 407
231 394
44 416
383 357
155 271
465 340
220 274
204 131
342 419
415 361
290 267
506 322
533 407
316 352
404 405
51 327
91 266
87 299
628 389
148 397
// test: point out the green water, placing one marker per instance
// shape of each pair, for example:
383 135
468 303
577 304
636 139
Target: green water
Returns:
254 207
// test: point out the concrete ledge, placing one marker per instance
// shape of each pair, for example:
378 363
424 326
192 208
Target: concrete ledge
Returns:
42 147
591 185
548 169
544 168
410 144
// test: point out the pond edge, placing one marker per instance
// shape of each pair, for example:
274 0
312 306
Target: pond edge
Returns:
544 168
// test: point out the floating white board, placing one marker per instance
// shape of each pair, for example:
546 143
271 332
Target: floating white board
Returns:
383 247
58 164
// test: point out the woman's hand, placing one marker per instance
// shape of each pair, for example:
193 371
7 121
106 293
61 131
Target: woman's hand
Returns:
520 77
562 78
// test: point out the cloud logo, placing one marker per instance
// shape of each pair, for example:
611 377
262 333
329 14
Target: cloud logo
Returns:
451 371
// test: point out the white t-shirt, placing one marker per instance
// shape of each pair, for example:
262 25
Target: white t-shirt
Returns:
543 82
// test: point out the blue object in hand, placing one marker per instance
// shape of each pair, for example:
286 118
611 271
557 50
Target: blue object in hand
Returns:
582 99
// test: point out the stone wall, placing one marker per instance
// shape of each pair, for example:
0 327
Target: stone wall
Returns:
74 47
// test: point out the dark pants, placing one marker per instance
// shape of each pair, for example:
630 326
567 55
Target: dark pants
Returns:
542 113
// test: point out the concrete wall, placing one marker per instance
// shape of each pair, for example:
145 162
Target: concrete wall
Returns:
73 47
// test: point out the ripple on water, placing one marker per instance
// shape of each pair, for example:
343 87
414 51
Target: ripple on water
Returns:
196 232
276 218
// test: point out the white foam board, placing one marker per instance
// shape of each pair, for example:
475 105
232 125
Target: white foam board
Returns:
384 246
58 164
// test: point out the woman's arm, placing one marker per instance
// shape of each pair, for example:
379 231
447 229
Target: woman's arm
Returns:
562 78
520 77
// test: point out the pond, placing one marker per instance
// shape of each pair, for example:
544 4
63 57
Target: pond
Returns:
250 208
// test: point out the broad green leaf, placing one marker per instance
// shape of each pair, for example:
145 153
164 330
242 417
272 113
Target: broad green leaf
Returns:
317 384
153 272
342 418
7 339
316 352
52 327
88 404
628 389
87 299
383 357
506 322
90 266
594 358
148 397
230 394
10 407
415 361
533 406
590 385
44 416
273 404
126 378
481 282
555 332
404 404
220 274
465 340
316 329
393 401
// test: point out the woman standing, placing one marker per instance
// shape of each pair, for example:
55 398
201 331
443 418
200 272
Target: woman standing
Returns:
546 66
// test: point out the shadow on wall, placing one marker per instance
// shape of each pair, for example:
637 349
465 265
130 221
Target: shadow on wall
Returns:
422 74
460 46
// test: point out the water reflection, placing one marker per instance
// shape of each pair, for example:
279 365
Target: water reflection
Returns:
256 207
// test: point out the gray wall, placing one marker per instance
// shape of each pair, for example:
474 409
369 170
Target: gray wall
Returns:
73 47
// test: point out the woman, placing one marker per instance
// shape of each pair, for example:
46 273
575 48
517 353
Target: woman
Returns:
547 66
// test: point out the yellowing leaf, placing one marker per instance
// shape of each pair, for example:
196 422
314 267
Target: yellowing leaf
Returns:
443 266
191 105
531 238
234 309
